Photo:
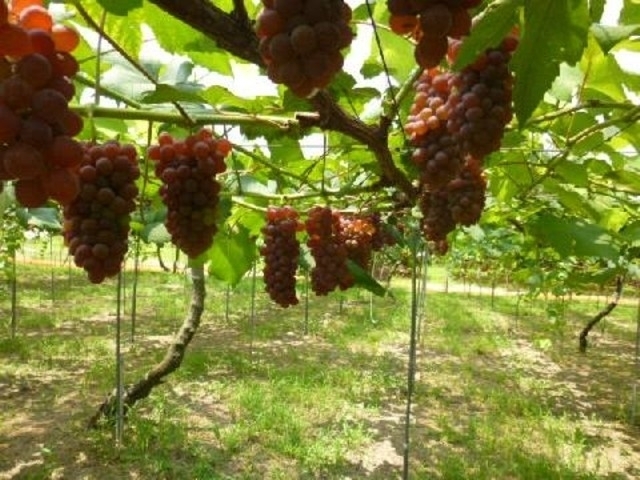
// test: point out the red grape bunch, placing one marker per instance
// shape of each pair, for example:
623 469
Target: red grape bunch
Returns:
189 189
37 150
330 254
437 154
281 252
300 41
431 23
381 236
96 223
459 203
437 221
480 101
357 234
466 194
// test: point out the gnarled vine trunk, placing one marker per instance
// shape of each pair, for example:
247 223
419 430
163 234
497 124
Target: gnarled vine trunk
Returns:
603 313
171 361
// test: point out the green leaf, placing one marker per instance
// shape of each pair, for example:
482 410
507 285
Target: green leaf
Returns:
489 29
614 219
603 73
365 280
397 51
630 13
232 255
596 9
573 173
120 7
609 36
566 84
46 218
156 233
176 36
574 237
560 26
167 93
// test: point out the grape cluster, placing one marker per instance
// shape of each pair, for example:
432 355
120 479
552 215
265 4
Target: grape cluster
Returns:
437 154
466 194
189 189
96 222
281 252
300 41
456 120
480 101
37 150
460 202
356 233
431 23
328 251
381 236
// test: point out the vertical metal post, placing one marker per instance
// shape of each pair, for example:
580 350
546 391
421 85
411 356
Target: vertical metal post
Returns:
119 365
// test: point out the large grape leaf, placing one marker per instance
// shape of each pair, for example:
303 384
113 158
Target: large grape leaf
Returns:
555 31
630 13
489 30
124 29
120 7
365 280
575 237
596 9
232 255
609 36
46 218
177 37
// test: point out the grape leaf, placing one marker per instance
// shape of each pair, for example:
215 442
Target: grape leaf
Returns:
575 237
46 218
596 9
120 7
232 255
155 233
555 31
365 280
168 93
489 30
609 36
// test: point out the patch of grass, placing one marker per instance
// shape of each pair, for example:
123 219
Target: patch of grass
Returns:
500 392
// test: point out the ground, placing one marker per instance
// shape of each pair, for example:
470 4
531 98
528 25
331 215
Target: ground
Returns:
501 391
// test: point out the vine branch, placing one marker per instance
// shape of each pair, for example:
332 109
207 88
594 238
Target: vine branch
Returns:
238 38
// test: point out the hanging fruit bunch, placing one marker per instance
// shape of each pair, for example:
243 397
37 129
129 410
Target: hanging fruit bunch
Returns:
300 41
281 251
188 170
37 150
431 23
96 222
456 120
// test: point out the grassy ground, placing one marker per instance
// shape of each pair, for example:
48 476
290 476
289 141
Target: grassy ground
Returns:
501 391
